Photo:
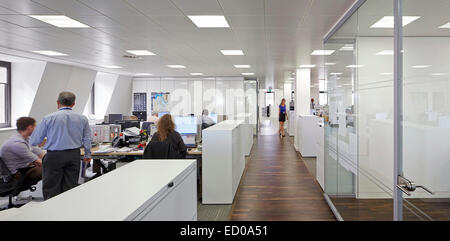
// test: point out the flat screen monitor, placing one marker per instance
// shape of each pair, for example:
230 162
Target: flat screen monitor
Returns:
213 116
186 124
112 118
161 114
125 124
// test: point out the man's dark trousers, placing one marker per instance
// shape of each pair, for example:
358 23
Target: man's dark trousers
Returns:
60 172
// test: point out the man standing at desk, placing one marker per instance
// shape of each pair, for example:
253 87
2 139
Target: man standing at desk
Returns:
66 132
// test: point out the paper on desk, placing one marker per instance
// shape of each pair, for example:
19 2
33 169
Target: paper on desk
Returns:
132 131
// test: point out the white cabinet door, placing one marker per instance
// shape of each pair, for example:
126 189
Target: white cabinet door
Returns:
180 204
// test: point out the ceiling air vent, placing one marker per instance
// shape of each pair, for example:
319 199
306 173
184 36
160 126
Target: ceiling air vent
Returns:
132 56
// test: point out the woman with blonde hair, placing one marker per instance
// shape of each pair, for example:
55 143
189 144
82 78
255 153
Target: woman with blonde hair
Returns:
166 132
282 116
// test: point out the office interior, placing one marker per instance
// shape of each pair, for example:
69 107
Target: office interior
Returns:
371 146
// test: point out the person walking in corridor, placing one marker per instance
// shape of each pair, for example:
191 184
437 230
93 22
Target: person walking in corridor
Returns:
282 117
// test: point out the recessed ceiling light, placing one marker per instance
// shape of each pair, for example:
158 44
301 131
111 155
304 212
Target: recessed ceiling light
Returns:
60 21
385 73
242 66
322 52
388 21
141 52
176 66
354 66
336 73
196 73
420 66
291 78
439 74
112 67
330 63
49 53
385 52
347 47
307 66
209 21
447 25
143 74
232 52
247 73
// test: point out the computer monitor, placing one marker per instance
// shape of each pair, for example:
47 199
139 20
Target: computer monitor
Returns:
186 125
112 118
213 116
141 115
125 124
161 114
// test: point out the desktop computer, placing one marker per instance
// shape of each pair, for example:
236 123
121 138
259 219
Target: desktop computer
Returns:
161 114
187 127
141 115
125 124
112 118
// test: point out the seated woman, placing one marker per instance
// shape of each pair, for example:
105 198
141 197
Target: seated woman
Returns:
166 132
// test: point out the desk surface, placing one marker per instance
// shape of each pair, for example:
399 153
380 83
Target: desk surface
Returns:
113 196
191 151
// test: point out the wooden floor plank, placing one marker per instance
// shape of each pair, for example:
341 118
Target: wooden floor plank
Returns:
277 186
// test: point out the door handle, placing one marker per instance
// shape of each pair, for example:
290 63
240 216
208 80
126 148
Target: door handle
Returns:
407 186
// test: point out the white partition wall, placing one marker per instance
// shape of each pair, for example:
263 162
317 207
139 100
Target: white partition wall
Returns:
221 95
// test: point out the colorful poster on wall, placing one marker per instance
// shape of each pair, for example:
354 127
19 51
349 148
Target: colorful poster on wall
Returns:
160 101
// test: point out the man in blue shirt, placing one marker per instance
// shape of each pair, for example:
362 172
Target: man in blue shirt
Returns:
66 131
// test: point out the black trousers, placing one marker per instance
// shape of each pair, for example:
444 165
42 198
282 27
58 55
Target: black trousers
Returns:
60 172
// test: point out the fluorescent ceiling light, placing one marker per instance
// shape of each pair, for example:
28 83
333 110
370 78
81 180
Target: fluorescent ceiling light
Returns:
60 21
385 52
322 52
176 66
385 73
330 63
232 52
112 67
420 66
354 66
291 78
336 73
209 21
307 66
247 73
140 52
49 53
143 74
447 25
439 74
242 66
347 47
388 21
196 73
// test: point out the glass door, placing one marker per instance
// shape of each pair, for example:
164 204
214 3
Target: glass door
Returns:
425 162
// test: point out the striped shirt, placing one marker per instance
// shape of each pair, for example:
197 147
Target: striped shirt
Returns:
17 152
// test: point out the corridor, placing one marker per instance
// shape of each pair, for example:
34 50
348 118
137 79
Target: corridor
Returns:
276 186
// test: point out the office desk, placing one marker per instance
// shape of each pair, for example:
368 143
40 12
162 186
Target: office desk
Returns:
99 167
142 190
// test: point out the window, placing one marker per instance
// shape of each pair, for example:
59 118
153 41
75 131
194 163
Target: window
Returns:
5 94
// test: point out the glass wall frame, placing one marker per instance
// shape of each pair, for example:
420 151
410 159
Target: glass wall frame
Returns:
397 111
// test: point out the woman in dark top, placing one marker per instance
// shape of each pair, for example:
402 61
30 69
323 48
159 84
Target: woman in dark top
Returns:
166 132
282 117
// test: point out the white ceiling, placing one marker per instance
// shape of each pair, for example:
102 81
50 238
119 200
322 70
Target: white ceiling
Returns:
275 35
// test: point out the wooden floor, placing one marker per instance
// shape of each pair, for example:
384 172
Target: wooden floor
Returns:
352 209
277 186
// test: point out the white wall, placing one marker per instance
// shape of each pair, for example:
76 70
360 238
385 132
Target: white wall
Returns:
222 95
120 102
104 88
57 78
302 92
26 77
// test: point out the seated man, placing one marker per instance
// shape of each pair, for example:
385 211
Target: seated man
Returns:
17 152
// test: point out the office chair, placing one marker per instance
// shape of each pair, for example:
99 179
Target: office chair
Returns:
11 187
160 150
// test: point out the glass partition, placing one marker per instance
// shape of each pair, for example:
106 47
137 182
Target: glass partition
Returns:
359 130
426 108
